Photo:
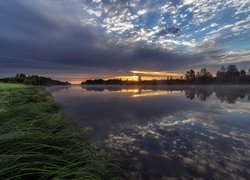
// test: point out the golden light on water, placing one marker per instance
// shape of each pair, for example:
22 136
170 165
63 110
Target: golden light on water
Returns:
132 90
137 92
154 93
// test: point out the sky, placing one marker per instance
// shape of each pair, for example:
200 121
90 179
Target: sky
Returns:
75 40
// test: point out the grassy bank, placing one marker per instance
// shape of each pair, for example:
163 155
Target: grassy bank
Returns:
38 142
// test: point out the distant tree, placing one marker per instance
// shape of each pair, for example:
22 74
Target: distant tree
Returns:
243 76
190 75
22 76
113 81
221 74
17 76
204 75
223 69
34 80
232 73
95 81
229 74
242 72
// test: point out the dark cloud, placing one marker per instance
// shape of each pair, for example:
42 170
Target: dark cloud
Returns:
36 37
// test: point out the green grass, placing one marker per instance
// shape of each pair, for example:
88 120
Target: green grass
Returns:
38 142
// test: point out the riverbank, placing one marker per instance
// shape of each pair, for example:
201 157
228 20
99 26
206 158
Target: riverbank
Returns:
37 141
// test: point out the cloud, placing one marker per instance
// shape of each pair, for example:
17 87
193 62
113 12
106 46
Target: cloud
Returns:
43 39
102 36
232 57
141 12
185 2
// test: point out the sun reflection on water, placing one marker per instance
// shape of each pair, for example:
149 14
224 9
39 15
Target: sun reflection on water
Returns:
178 132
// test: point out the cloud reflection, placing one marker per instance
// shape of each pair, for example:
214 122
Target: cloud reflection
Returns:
182 132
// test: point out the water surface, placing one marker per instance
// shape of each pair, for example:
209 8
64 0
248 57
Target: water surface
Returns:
163 132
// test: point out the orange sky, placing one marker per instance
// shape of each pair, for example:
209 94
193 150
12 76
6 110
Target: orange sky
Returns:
133 76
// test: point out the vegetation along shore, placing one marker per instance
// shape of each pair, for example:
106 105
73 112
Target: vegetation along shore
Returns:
226 75
37 141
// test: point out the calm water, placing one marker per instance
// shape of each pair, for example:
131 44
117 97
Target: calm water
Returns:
179 132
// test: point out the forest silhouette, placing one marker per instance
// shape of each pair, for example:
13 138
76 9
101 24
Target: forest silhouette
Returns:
227 74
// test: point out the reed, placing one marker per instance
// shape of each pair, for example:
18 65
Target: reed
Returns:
37 141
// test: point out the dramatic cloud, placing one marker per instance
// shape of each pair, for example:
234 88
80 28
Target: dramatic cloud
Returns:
112 37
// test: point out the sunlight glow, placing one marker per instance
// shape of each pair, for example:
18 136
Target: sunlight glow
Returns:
127 78
155 73
133 90
75 82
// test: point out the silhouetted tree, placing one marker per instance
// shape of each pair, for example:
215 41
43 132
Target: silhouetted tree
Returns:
190 75
204 75
94 82
232 73
221 75
33 80
242 72
226 74
243 76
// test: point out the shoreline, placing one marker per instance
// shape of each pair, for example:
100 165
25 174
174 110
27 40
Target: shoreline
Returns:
37 140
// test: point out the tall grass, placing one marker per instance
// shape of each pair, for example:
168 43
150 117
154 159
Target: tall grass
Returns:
38 142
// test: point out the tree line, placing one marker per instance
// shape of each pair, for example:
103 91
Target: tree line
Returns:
33 80
104 82
226 75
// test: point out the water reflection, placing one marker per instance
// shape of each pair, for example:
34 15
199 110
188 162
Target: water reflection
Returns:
179 132
228 94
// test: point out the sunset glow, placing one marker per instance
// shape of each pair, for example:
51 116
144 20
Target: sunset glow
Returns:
119 38
125 89
156 73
